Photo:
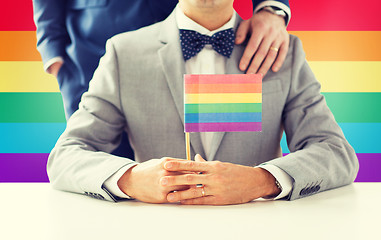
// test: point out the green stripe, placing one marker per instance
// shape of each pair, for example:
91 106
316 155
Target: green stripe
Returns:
223 107
48 107
355 107
31 107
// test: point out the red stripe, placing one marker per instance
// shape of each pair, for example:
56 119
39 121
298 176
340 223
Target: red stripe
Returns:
223 88
16 15
335 15
244 8
222 79
325 15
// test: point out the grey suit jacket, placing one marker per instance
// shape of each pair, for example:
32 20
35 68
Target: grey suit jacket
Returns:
138 88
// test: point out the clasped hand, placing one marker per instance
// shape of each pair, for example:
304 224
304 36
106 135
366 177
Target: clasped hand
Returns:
178 180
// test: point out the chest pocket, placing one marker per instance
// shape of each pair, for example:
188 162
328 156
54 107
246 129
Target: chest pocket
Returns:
83 4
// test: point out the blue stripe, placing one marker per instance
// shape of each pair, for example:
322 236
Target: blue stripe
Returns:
363 137
223 117
41 137
29 137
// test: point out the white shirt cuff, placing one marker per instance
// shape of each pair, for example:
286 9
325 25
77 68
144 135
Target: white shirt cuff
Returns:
51 62
282 177
111 184
280 5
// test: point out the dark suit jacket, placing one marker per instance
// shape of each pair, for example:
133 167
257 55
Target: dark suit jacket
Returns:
77 30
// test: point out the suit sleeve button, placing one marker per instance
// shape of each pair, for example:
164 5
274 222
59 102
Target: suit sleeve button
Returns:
302 192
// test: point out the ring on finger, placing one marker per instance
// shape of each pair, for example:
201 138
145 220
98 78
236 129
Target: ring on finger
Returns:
202 191
274 49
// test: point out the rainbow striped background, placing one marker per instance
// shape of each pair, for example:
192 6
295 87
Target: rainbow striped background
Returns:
223 103
341 38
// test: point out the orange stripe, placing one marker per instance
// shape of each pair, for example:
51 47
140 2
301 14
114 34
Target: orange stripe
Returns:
341 45
18 46
223 88
319 45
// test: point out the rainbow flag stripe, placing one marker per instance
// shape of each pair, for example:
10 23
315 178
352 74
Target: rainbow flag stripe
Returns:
223 103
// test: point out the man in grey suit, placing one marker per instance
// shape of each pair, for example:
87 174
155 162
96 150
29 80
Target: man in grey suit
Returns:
138 88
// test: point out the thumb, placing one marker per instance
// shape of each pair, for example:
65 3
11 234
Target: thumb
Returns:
198 158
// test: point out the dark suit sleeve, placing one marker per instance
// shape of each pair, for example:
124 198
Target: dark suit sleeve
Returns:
282 4
256 2
52 36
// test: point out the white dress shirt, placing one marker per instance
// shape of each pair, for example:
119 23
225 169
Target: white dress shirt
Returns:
207 61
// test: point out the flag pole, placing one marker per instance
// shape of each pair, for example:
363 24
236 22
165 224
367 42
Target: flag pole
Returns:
187 146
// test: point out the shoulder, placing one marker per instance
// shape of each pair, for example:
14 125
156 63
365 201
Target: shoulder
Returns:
133 40
296 47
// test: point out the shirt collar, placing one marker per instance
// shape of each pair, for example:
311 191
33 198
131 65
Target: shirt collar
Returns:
184 22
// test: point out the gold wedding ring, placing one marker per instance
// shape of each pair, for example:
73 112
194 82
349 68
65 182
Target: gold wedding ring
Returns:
274 48
202 191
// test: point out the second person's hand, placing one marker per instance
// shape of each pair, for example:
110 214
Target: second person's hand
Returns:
267 45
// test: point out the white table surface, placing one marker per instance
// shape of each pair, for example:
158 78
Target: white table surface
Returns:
36 211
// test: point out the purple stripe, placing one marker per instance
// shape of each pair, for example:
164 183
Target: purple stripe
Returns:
224 127
23 167
370 167
31 167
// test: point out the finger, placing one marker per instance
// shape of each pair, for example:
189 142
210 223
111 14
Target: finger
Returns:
186 166
242 31
269 59
198 158
251 48
192 192
179 188
208 200
281 57
166 159
186 179
259 56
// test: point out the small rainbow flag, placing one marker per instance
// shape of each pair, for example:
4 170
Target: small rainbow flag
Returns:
223 103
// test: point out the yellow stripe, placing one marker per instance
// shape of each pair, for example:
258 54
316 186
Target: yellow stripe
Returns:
26 77
334 76
348 76
224 98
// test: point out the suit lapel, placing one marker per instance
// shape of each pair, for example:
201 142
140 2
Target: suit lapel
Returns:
173 65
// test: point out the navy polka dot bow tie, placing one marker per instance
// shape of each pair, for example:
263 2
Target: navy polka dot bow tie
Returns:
193 42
